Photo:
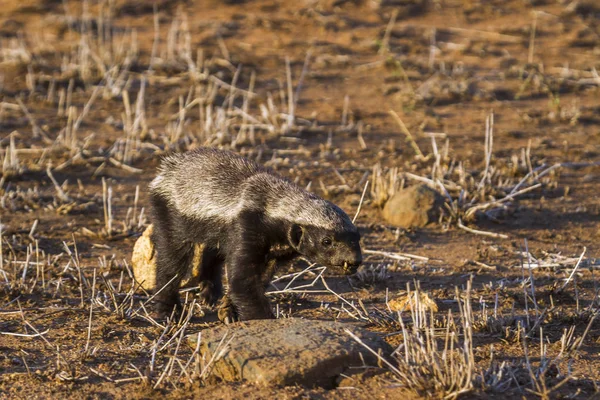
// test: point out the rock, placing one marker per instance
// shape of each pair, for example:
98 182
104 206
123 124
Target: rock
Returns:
413 207
288 351
144 263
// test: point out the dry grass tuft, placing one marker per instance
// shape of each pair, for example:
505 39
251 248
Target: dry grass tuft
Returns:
436 357
486 193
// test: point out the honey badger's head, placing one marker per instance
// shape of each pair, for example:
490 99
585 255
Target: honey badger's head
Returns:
339 249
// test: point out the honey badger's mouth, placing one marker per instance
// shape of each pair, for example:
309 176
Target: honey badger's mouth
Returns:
346 268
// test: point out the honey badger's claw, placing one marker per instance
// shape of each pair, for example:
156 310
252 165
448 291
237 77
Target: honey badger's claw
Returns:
167 310
226 312
206 291
227 317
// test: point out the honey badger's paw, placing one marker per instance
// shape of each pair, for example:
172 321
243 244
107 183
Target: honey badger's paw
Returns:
226 312
168 310
207 293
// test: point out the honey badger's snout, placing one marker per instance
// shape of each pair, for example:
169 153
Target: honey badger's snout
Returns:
351 260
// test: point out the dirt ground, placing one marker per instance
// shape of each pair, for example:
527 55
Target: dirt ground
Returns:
93 93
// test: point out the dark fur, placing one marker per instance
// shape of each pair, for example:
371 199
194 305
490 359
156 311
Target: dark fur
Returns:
242 243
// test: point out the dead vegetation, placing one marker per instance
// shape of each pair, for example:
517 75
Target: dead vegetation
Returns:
484 115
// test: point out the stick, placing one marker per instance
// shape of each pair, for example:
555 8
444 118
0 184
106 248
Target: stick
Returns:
301 79
386 362
511 196
362 197
24 334
34 126
489 144
483 233
290 94
61 193
531 278
396 256
532 39
574 270
409 137
86 108
388 31
126 167
89 334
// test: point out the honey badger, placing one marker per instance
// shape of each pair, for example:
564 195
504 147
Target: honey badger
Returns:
240 211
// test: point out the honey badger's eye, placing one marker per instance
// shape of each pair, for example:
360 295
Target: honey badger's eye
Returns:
326 242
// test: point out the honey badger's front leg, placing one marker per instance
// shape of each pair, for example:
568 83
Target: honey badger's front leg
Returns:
246 264
226 310
246 290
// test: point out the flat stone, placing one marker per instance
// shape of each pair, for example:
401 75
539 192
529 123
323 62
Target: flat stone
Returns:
287 351
413 207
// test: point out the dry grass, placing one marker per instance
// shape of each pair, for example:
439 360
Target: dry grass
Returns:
169 362
471 195
436 357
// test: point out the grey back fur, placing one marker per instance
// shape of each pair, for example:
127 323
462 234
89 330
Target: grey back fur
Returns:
208 183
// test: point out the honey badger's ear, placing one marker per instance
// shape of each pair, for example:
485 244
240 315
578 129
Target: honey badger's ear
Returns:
295 236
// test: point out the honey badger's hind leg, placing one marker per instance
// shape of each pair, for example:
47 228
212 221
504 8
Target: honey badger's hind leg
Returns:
174 256
211 271
171 264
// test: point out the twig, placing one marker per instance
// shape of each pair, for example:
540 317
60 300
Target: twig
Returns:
388 31
61 193
89 334
531 279
302 74
409 137
86 108
532 39
484 233
396 256
25 334
126 167
37 131
489 145
362 197
154 295
574 270
511 196
379 357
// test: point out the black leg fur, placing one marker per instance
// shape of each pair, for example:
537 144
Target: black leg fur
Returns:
227 312
211 271
246 266
173 256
